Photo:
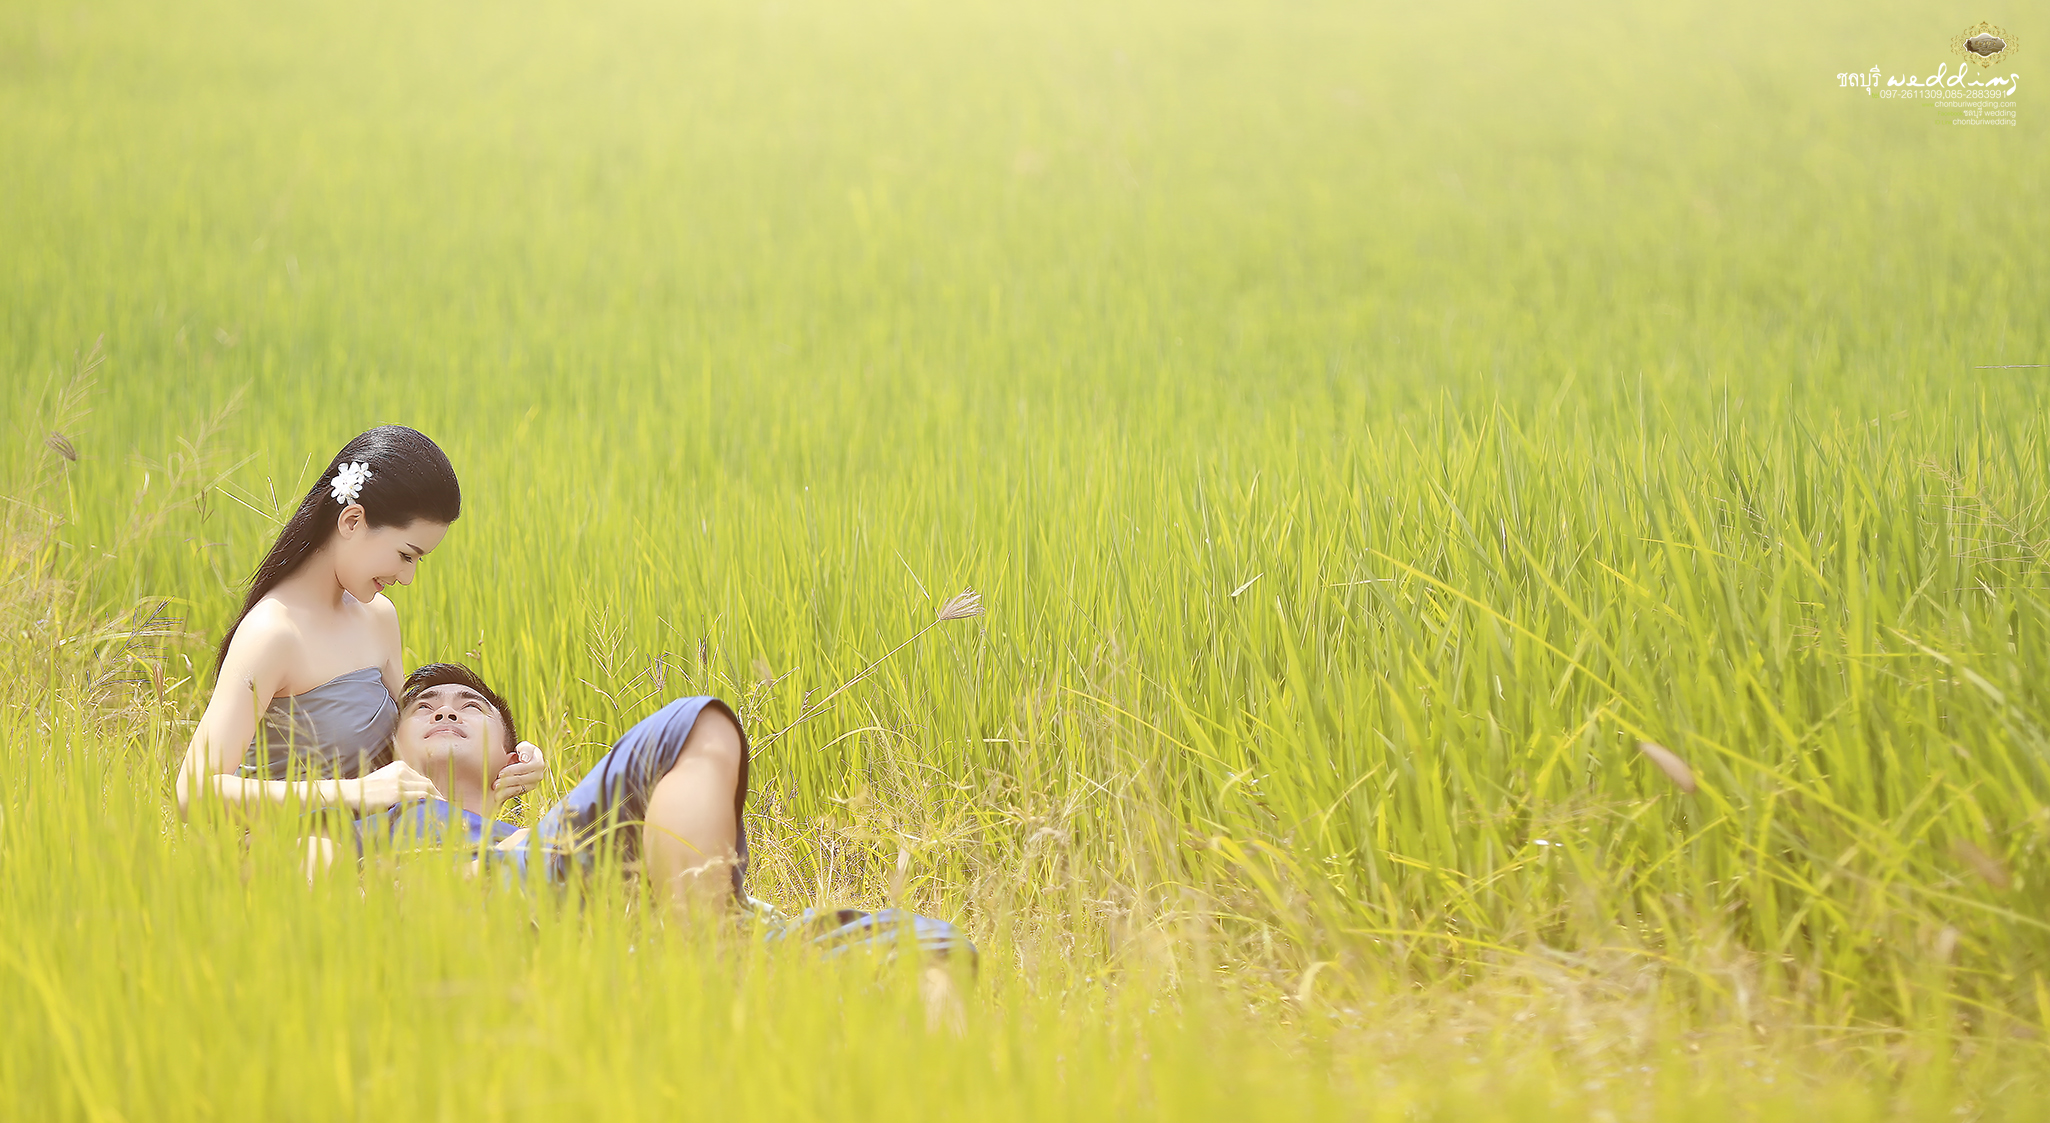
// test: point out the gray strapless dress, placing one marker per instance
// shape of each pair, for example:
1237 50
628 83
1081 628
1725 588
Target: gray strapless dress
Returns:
341 728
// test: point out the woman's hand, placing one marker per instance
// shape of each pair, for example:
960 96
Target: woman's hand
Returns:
515 780
387 787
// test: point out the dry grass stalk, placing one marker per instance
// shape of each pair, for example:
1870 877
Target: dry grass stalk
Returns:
1985 865
1669 763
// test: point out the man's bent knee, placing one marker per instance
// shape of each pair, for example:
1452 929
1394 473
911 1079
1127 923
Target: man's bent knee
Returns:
714 740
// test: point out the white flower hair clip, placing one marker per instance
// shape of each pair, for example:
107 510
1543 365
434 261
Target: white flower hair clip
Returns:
347 486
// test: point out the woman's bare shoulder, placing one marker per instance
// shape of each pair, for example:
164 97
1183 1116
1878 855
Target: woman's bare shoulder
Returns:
384 615
268 622
384 620
266 645
384 625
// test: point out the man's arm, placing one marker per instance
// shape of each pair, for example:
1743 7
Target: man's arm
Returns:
516 779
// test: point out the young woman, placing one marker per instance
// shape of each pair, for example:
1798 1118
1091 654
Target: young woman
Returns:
305 679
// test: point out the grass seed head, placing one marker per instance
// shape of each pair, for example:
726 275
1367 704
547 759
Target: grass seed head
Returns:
963 605
1669 763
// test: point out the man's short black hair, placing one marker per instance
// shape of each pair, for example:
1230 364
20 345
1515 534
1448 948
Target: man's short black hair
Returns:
455 674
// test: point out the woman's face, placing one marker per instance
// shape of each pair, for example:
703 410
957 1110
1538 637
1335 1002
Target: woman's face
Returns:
370 558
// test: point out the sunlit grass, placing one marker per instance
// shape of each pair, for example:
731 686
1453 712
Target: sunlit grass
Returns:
1365 431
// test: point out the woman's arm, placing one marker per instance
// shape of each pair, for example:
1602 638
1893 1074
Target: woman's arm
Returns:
250 678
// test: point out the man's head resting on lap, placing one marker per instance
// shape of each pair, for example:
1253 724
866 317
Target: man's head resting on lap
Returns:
452 724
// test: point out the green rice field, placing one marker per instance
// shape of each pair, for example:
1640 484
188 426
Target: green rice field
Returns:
1368 426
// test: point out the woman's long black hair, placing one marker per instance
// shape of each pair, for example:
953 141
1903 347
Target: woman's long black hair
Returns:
410 479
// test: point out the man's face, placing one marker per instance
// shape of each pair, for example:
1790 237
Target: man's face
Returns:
452 727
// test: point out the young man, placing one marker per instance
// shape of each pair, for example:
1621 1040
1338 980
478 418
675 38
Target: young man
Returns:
669 795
